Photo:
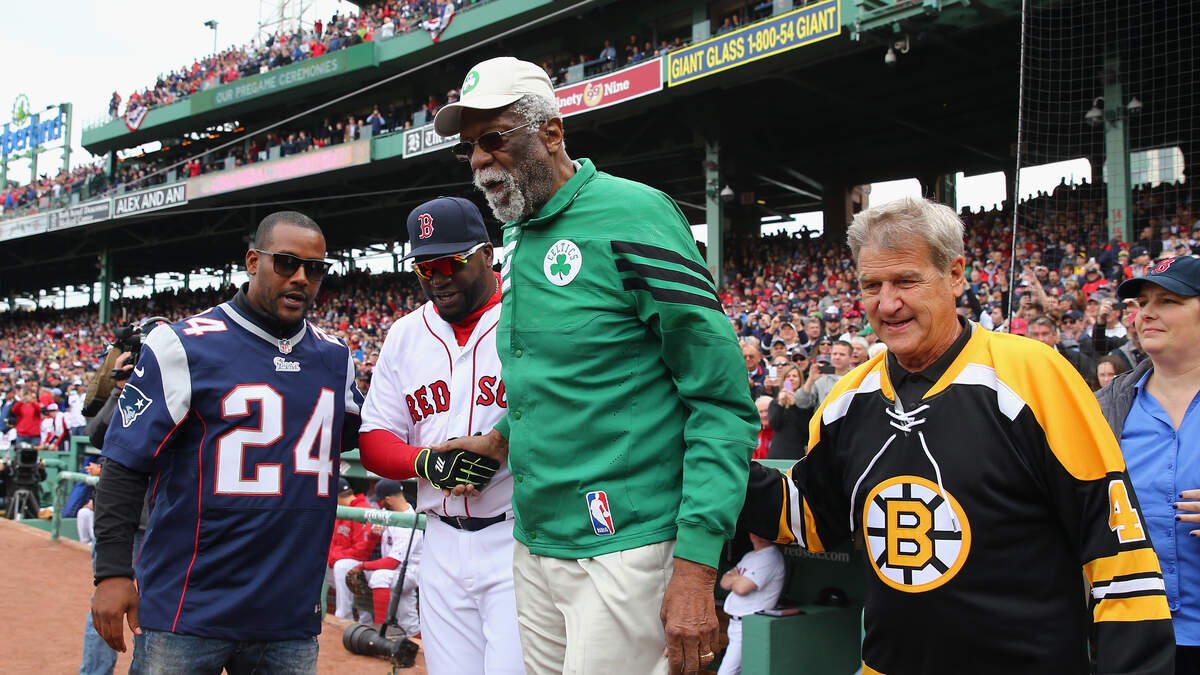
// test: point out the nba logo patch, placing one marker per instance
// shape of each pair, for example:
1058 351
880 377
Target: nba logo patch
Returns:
602 521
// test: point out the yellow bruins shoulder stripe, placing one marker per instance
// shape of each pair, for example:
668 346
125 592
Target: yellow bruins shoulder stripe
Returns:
1103 570
1027 372
812 540
1136 608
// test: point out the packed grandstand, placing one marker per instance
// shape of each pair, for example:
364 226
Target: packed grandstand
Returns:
744 143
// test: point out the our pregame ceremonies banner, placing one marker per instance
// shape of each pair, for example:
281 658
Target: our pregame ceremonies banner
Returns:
601 92
757 41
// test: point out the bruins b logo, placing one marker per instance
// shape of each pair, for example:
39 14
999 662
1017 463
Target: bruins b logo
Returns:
911 539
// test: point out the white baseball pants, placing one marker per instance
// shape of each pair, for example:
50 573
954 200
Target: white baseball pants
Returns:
468 607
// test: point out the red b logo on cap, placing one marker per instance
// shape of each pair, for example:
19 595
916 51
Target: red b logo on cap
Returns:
1163 266
426 222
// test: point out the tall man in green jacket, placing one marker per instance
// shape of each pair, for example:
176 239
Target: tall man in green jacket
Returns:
629 420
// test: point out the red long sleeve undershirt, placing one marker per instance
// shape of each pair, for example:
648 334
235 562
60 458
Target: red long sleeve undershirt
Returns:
384 453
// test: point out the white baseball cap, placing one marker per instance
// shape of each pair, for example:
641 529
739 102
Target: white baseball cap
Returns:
493 84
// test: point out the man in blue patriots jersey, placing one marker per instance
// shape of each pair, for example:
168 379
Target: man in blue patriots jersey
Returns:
234 420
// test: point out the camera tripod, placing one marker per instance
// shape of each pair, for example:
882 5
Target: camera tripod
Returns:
22 504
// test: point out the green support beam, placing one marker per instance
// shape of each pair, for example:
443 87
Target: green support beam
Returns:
66 110
714 211
33 150
105 287
1116 152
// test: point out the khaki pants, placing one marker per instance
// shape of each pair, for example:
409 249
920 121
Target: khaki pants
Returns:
593 615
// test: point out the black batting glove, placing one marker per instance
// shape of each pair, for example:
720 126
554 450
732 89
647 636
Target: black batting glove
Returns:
444 470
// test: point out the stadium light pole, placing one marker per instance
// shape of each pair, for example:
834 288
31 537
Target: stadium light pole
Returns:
212 23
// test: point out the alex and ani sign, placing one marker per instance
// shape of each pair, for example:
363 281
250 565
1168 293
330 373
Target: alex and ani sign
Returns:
773 36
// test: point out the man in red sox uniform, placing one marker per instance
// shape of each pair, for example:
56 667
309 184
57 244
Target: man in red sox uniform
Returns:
438 377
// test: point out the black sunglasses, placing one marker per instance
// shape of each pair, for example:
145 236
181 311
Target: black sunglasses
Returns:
286 264
489 142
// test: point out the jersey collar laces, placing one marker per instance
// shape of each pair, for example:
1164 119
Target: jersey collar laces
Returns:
907 422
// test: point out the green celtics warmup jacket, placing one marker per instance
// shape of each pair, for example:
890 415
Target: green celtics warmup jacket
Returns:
629 417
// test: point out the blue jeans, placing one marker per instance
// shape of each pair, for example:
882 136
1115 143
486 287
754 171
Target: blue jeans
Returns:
171 653
100 659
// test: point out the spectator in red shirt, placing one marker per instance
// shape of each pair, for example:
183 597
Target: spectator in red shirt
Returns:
29 418
352 544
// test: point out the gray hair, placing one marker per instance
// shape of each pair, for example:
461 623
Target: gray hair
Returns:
535 108
907 221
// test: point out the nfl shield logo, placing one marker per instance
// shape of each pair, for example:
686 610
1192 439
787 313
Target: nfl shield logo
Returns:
285 347
602 521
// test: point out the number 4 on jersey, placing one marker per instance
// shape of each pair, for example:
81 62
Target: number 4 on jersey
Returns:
1122 517
267 477
198 325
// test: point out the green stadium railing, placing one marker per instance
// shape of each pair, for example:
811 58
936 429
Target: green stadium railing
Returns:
65 479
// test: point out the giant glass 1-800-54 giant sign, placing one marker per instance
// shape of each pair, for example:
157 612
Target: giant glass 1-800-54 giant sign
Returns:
778 34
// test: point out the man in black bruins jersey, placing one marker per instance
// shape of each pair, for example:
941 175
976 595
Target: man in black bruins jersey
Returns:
978 474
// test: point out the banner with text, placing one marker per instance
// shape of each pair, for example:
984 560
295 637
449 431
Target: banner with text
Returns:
331 158
611 89
772 36
163 197
424 140
573 99
77 216
22 227
274 81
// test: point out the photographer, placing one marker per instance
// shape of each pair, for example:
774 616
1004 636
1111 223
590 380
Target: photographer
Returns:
22 473
822 375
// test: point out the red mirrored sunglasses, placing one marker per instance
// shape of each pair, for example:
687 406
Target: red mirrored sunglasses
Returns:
446 265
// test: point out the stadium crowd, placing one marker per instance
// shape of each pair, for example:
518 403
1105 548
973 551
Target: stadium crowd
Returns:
793 300
379 21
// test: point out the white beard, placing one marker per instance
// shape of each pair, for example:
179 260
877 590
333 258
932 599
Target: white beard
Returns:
507 204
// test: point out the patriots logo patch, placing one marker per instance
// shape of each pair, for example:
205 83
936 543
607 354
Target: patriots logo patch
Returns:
133 403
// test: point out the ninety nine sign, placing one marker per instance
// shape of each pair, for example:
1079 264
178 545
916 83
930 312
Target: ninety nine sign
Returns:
601 92
757 41
151 200
573 99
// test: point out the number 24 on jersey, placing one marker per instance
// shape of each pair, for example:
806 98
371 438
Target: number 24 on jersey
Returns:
267 478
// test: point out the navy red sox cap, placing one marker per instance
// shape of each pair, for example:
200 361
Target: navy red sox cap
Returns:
1179 275
445 226
388 487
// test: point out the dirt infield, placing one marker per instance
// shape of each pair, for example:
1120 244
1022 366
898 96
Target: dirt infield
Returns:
45 592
